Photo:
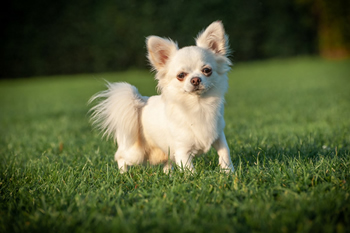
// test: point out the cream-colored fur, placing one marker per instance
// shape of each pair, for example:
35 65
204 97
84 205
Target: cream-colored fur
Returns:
186 119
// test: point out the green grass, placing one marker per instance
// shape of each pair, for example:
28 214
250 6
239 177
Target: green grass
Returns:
288 127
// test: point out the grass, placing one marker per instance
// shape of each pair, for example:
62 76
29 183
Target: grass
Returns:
288 127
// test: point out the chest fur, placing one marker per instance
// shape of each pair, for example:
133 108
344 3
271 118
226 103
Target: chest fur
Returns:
199 124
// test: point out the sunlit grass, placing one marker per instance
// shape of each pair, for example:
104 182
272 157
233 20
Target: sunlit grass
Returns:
288 129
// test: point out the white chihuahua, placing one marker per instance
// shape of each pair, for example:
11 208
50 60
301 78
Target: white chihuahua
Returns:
186 119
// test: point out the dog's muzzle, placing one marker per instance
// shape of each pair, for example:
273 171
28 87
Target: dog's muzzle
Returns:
195 81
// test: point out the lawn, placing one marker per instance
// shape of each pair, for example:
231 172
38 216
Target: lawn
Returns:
287 124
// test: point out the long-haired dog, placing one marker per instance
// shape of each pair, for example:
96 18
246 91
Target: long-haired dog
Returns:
186 119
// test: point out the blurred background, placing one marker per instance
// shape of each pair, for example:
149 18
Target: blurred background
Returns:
41 37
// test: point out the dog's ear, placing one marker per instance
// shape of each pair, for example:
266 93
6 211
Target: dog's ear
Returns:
214 38
159 51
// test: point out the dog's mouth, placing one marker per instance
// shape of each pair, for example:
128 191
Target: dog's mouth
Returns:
198 90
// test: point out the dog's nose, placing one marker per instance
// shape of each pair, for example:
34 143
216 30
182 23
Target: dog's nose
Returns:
195 81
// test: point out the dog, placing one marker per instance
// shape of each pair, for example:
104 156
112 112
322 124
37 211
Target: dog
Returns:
185 119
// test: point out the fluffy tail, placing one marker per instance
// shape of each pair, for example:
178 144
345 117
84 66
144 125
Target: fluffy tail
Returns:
117 113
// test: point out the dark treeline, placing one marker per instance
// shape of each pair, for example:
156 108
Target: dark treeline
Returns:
42 37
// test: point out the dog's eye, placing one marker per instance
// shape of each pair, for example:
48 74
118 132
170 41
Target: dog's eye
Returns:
207 71
181 76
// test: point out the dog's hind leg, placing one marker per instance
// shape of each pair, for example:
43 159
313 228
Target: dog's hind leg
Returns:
123 167
118 157
117 115
127 157
167 167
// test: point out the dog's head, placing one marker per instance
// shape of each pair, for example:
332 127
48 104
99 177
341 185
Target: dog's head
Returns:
194 69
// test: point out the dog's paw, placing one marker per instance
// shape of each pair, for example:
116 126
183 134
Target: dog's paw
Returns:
167 168
227 169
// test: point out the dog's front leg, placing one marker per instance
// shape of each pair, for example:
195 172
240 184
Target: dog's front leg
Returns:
184 159
224 153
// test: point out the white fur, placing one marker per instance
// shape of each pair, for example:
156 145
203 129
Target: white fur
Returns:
185 119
